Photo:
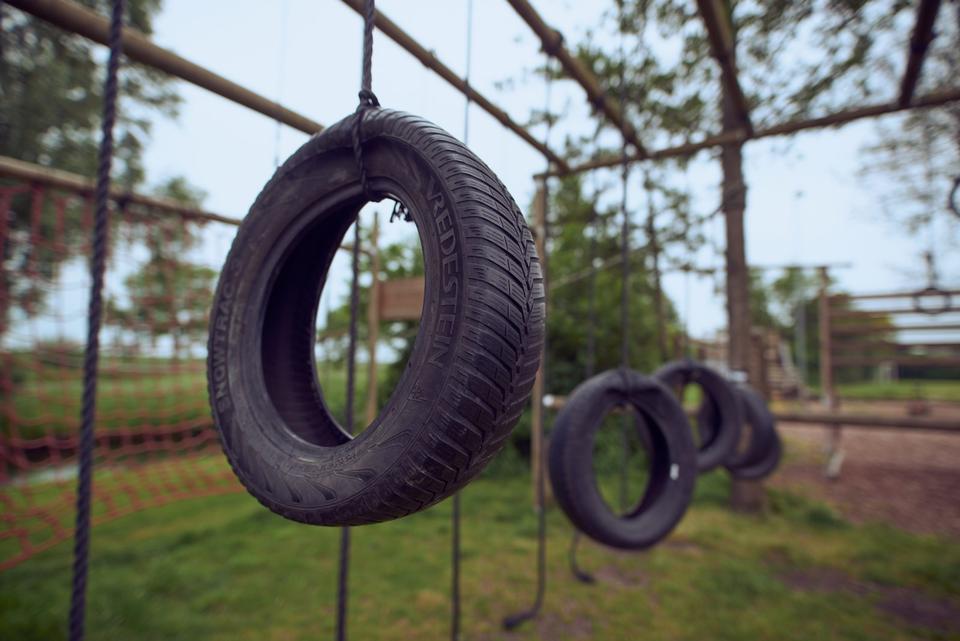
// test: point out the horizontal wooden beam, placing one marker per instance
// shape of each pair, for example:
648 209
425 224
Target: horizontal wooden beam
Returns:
722 45
915 361
871 314
888 295
867 329
430 61
136 46
870 421
39 175
552 42
836 119
919 43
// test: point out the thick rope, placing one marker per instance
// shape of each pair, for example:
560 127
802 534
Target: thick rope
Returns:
368 100
81 543
455 516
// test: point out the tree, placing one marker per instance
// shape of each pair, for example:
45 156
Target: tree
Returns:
51 85
669 92
914 163
168 295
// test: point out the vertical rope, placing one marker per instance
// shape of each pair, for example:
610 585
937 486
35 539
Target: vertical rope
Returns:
367 101
455 516
343 573
512 621
81 543
625 269
591 362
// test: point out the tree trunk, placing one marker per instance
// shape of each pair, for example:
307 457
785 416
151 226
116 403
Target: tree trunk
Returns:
745 495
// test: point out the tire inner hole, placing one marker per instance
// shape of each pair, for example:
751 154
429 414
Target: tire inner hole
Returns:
623 450
396 320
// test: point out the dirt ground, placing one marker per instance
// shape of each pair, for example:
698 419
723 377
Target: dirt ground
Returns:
908 479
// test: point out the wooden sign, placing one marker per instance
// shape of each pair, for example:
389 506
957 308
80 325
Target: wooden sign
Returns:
401 298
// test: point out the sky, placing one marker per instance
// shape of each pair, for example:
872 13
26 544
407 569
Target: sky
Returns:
806 201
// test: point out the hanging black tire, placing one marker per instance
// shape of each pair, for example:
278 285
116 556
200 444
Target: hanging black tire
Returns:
761 452
473 362
672 471
720 439
766 448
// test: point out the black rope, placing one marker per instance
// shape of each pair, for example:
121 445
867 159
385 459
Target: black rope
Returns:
81 542
591 362
343 574
455 515
512 621
625 274
368 100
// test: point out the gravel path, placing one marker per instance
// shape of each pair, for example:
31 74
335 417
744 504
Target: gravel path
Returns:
910 480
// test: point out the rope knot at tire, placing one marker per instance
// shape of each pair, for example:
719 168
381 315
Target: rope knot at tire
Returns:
368 101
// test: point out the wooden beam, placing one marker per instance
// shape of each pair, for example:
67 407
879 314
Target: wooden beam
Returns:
876 314
869 421
430 61
552 42
836 119
136 46
373 321
537 450
40 175
825 335
915 361
919 43
720 33
861 329
883 295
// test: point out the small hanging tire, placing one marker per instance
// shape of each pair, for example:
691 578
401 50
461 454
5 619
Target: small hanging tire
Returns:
763 448
672 472
766 447
720 439
474 359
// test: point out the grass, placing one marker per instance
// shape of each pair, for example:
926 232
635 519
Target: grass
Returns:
133 393
226 568
933 390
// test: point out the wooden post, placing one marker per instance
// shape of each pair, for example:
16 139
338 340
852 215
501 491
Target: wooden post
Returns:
373 320
536 399
828 393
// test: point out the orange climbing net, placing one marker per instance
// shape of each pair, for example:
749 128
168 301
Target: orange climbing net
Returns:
155 440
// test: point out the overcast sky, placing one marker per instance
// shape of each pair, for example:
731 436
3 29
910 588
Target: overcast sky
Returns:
805 200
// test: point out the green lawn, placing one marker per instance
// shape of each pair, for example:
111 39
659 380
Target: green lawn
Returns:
133 393
226 568
933 390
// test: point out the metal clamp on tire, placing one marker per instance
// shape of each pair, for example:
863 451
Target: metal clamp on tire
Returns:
672 472
473 361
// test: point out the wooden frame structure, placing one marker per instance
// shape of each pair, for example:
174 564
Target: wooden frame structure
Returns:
73 17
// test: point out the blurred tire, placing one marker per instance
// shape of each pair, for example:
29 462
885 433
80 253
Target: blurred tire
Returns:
718 441
672 470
